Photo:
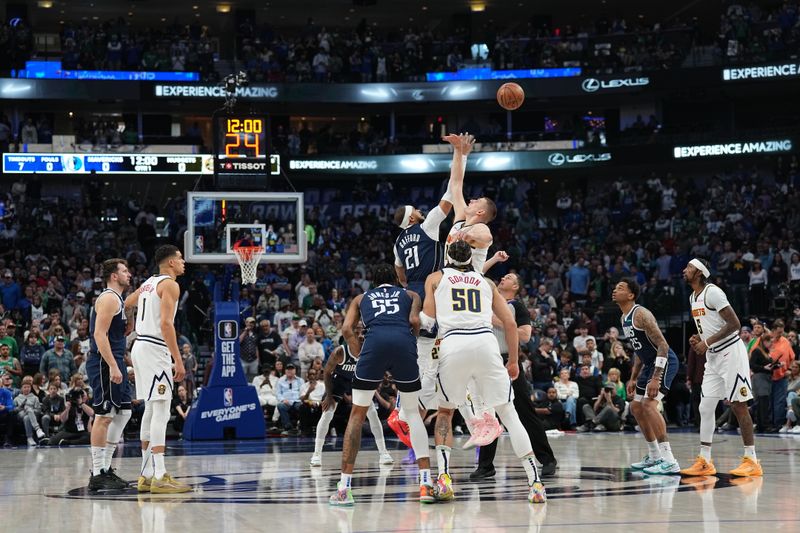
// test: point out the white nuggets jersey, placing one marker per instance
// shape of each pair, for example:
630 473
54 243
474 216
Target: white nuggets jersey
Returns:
705 312
463 302
148 316
478 254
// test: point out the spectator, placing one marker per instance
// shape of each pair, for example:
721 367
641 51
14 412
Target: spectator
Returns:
542 365
550 410
606 413
190 364
793 400
568 393
29 409
7 410
309 350
311 396
31 356
294 340
283 318
53 409
338 303
615 380
589 387
596 355
248 345
269 344
265 384
782 354
10 292
180 410
761 366
758 289
694 379
7 336
9 365
77 424
289 397
578 278
37 386
585 359
618 358
582 335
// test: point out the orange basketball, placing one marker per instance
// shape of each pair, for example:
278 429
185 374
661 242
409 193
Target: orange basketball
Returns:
510 96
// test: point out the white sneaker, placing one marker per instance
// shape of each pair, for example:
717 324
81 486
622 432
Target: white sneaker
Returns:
647 462
39 434
784 429
386 459
316 460
663 468
31 442
796 429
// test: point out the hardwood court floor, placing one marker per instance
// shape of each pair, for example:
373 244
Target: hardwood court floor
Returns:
268 486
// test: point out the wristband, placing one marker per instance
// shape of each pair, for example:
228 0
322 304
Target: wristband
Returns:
661 362
426 322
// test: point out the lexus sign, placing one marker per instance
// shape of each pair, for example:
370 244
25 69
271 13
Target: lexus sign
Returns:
558 159
591 85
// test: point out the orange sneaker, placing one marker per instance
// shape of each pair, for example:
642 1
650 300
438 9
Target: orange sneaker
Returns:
749 467
399 427
701 467
426 494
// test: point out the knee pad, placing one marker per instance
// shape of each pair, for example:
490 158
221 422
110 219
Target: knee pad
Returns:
708 406
147 417
363 398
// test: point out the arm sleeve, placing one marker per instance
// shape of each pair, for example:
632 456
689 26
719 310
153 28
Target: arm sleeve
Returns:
715 299
432 222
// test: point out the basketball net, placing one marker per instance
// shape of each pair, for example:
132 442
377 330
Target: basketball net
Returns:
248 257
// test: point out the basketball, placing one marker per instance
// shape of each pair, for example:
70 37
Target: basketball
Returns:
510 96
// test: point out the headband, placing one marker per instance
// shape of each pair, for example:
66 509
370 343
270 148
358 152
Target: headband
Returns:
452 261
405 223
701 267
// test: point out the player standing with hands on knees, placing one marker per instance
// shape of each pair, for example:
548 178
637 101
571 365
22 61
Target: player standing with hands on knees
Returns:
727 370
111 398
653 371
156 340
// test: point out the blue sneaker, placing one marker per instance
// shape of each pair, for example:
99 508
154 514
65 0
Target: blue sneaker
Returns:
646 462
343 497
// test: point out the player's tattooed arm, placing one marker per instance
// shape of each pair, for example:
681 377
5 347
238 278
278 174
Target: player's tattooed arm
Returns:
645 320
336 357
413 317
348 327
731 326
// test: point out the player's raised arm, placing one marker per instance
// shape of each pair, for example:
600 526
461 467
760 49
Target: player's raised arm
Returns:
462 146
413 317
499 257
348 327
399 268
105 308
169 294
501 310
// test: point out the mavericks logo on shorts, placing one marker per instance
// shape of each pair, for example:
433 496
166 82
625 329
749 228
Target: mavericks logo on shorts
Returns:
162 389
227 398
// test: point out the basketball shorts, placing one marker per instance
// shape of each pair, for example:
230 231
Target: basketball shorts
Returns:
107 395
152 366
472 358
666 380
727 374
392 351
428 361
340 388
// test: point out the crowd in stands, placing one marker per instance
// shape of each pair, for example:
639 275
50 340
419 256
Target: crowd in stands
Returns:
755 33
569 252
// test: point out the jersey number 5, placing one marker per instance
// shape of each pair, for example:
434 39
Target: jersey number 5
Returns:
466 300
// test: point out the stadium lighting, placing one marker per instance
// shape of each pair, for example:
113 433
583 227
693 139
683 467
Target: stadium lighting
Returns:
476 6
223 8
45 4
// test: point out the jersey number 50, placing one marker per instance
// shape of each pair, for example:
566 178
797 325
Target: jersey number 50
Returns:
466 300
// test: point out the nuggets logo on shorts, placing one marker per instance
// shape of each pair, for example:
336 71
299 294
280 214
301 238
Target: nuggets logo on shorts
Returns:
162 389
743 391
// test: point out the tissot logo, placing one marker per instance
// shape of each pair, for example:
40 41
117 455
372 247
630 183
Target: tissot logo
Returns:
591 85
558 159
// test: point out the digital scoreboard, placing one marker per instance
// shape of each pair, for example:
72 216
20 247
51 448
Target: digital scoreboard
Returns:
108 164
242 146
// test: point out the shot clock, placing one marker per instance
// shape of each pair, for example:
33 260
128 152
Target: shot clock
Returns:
242 147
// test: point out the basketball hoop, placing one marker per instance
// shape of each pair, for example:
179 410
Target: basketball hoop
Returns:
248 257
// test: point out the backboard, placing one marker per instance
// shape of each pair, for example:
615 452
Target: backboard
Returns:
217 220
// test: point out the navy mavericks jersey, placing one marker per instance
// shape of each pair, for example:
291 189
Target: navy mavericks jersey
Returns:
642 346
116 330
344 371
386 306
420 255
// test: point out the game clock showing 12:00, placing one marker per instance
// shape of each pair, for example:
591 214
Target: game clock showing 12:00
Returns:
242 137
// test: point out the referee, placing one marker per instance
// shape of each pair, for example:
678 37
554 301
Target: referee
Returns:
509 287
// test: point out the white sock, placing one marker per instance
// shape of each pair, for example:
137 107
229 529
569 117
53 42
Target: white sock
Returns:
443 458
158 465
147 463
109 455
666 452
705 452
653 450
529 464
346 480
750 451
98 459
425 476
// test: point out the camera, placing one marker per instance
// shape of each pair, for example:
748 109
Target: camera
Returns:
75 395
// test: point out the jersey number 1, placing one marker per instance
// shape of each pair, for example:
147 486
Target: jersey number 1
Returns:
141 311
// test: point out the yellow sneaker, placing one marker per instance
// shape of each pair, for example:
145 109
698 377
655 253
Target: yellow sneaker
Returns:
443 488
143 485
167 485
749 467
701 467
